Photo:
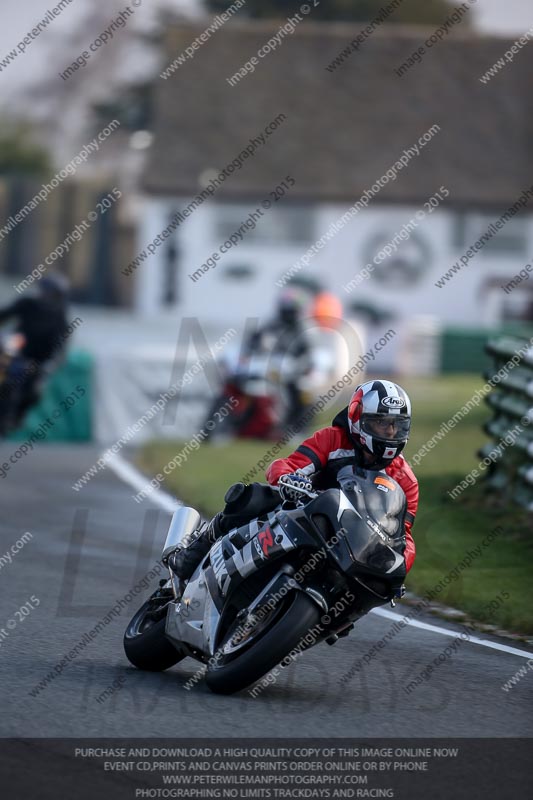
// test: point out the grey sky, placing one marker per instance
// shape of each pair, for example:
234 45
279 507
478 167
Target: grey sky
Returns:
500 17
505 17
494 16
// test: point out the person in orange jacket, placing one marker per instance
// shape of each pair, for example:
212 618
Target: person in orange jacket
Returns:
370 433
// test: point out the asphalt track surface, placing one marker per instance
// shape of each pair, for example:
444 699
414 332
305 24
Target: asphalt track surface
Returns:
90 547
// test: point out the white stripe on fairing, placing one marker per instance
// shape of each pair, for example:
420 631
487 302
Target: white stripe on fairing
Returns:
308 470
383 612
130 475
340 454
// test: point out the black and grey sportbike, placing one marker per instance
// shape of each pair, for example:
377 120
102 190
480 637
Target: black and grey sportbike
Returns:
297 576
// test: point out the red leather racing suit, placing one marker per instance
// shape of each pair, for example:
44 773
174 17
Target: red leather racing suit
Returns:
322 455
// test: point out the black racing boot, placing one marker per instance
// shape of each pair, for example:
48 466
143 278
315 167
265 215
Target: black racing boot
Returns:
186 558
242 503
184 561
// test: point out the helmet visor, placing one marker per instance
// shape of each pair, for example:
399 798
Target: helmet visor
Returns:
387 427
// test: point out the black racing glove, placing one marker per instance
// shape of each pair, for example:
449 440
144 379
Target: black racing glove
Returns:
294 487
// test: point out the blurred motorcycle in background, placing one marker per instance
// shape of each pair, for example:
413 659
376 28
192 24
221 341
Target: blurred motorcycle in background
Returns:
266 397
14 369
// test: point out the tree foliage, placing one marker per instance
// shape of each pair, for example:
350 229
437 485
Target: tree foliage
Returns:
19 153
416 12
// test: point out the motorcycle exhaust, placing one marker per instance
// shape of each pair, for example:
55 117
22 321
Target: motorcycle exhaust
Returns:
184 522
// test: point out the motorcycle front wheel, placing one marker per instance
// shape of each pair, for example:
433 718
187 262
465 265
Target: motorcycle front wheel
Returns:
145 643
242 660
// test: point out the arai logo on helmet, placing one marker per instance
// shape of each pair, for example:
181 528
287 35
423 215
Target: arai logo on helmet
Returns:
393 402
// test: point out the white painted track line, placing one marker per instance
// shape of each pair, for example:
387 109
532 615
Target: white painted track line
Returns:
383 612
131 475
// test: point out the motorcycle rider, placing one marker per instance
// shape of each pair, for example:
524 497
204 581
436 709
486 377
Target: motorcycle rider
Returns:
41 319
370 433
285 337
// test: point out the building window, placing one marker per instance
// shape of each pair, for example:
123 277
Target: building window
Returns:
238 272
512 239
282 225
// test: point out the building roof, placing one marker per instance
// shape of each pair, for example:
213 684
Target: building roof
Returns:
345 128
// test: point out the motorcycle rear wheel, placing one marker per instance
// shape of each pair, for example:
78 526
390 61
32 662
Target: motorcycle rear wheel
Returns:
234 672
145 643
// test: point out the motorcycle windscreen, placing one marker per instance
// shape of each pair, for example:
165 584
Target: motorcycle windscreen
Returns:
372 515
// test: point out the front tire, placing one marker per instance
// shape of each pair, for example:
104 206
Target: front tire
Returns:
229 675
145 643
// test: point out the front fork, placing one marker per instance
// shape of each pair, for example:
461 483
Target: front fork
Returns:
273 593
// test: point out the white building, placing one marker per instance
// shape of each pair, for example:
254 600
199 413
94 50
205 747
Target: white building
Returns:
336 133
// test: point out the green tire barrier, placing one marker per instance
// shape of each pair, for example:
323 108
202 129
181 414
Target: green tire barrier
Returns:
511 428
463 349
66 402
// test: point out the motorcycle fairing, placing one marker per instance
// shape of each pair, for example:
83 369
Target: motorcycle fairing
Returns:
196 619
232 564
365 526
362 528
193 620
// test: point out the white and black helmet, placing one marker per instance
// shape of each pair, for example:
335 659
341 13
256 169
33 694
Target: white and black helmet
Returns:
379 418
